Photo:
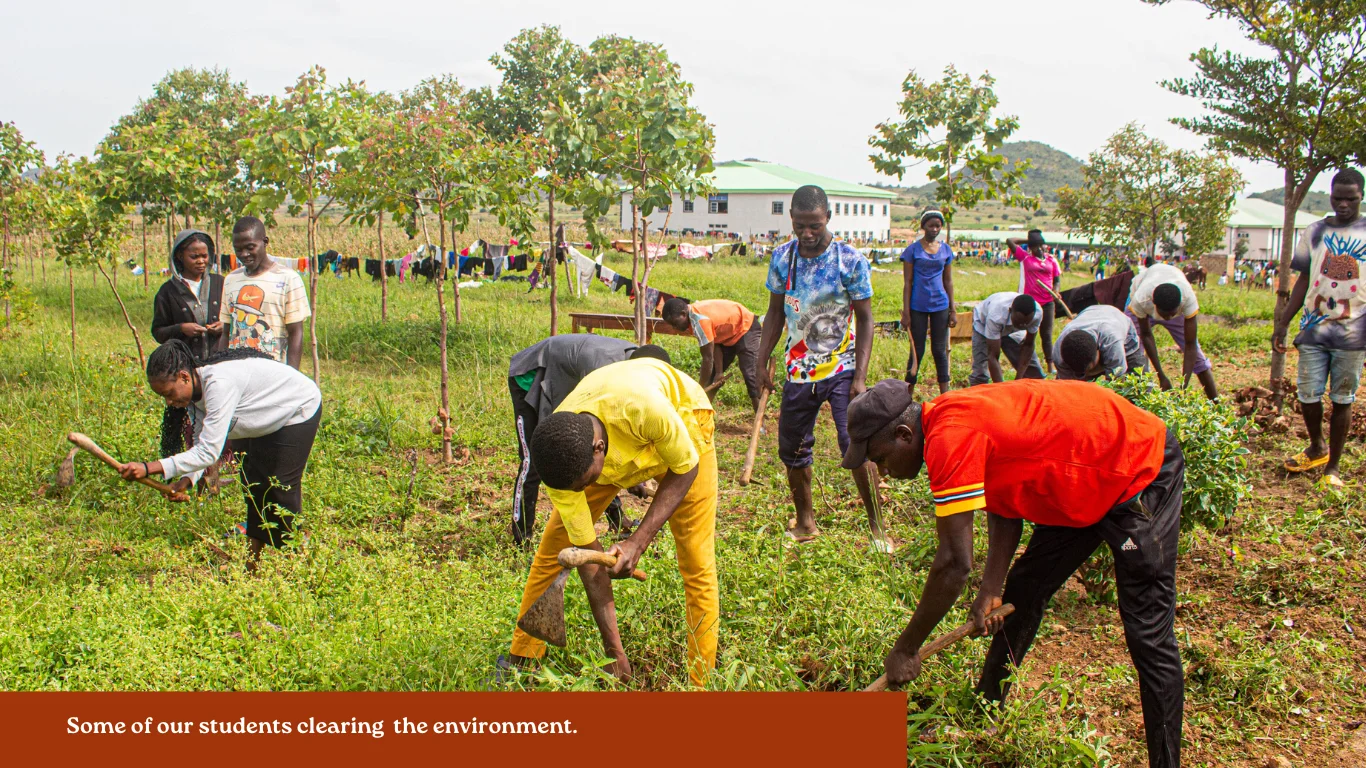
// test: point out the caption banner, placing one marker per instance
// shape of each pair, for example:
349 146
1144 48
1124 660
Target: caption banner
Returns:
564 729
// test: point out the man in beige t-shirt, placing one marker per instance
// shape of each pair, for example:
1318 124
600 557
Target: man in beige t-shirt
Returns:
264 304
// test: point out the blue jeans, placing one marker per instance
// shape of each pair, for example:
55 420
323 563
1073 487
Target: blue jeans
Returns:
1317 363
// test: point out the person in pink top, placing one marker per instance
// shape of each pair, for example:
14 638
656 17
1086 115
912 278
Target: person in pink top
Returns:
1037 270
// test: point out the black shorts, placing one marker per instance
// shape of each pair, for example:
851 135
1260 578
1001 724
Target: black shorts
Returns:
797 419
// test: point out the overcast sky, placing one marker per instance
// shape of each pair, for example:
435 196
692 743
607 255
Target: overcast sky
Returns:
800 83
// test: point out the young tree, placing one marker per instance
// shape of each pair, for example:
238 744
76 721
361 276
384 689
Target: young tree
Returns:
439 159
292 151
17 158
1302 106
1137 190
635 126
949 124
88 225
177 152
366 180
541 70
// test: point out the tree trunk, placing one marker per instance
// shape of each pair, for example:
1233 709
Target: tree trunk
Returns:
455 285
142 361
444 415
145 278
4 260
383 271
71 292
554 291
1294 194
948 220
313 294
639 310
218 246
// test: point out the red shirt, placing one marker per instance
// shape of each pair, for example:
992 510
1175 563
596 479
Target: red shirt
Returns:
1051 452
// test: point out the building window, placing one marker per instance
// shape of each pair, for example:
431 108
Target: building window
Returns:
777 207
884 210
666 208
718 204
687 206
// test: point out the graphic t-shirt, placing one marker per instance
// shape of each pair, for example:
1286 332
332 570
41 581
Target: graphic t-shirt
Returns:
719 321
818 294
1060 452
1334 309
927 292
1032 270
257 308
1141 291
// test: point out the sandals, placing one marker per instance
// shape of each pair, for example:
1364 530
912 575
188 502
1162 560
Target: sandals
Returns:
801 538
883 546
1302 463
1332 481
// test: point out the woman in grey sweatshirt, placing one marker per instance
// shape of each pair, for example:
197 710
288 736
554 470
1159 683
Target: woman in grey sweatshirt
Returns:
269 410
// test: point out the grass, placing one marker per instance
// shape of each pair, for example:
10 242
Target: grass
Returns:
106 586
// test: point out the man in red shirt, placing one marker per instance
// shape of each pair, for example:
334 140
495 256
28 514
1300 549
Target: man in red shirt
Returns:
1081 463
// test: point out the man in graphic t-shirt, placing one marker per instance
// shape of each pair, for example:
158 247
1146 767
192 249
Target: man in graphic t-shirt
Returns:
820 290
1332 337
264 304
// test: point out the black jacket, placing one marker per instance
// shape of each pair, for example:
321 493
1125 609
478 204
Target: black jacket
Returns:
174 305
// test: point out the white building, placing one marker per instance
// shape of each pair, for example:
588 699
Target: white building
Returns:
752 199
1258 224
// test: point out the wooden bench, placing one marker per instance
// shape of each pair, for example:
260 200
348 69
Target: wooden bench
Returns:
589 322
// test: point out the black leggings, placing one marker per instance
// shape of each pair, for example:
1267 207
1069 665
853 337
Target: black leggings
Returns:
937 323
1046 329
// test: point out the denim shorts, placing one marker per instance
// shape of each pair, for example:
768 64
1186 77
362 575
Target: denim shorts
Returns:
1317 362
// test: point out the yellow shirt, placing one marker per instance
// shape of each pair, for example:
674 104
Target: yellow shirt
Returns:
657 419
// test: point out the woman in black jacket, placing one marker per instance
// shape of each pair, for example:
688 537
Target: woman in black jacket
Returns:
186 308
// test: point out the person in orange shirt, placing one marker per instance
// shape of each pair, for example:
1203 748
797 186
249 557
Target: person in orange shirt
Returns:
725 330
1082 464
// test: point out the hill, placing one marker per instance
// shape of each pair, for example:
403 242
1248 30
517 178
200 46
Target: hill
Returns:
1316 203
1052 169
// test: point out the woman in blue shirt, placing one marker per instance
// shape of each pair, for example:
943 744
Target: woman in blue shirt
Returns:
927 299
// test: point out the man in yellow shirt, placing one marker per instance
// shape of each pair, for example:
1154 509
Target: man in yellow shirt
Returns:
623 424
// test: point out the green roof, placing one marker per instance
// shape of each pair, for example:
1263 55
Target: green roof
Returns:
754 176
1255 213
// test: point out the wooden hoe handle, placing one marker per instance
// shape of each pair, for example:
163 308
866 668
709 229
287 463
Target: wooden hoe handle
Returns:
86 444
754 437
944 641
573 557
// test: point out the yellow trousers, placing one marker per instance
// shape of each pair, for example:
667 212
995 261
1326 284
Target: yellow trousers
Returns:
694 530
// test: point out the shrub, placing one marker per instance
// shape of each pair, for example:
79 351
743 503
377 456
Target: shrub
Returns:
1211 437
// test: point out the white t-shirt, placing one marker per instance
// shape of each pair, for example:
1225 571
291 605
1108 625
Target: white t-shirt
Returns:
991 318
240 399
193 285
1141 292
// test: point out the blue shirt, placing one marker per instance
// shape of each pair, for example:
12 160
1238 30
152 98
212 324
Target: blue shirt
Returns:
927 292
817 303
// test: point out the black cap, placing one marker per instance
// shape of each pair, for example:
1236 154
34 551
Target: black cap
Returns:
869 413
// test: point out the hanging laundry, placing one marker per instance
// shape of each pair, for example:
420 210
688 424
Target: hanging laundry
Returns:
519 263
607 276
690 251
495 260
621 280
587 268
651 301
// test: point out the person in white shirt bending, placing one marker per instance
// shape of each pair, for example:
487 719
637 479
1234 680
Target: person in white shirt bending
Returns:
269 410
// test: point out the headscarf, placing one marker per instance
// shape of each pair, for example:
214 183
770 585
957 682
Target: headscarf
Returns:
201 306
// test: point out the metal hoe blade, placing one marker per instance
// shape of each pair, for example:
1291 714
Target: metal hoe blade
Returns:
544 620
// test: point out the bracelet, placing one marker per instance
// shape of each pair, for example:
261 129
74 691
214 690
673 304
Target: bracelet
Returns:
145 470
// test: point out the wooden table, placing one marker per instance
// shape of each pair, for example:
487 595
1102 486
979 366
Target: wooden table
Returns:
589 321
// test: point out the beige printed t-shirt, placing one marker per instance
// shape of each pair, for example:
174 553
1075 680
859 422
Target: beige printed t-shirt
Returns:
257 308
